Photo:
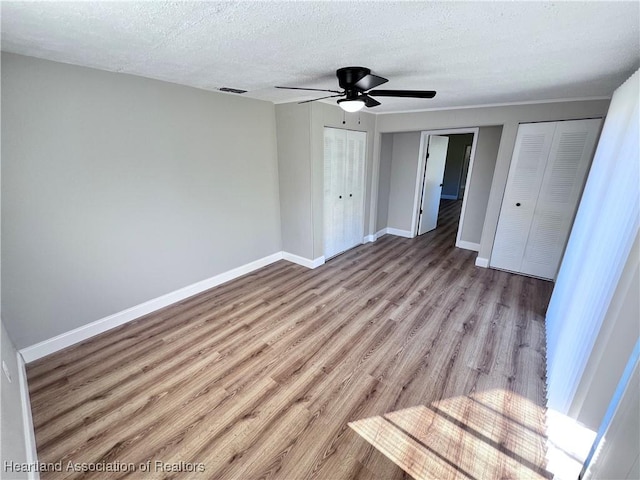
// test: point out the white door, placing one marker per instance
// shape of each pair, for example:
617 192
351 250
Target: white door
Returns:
344 162
354 190
548 171
432 183
533 143
334 164
564 177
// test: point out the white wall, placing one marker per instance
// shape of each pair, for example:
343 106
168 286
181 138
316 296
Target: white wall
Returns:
404 167
507 116
599 250
117 189
618 452
619 331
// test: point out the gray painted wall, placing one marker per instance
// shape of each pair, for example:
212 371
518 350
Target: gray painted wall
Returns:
509 117
454 163
404 165
384 180
477 195
294 167
13 438
117 189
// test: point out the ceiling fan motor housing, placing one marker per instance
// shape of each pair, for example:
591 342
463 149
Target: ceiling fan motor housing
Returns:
348 77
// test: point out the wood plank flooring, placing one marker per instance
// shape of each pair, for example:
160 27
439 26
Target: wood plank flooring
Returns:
398 352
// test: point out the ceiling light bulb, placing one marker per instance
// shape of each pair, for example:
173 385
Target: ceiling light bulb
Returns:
351 105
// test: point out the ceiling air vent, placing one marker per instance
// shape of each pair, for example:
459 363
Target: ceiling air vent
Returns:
232 90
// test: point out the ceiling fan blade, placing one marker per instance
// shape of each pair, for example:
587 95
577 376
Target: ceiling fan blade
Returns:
321 98
369 81
310 89
370 102
403 93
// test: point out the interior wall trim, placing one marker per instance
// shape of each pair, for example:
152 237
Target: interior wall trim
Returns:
27 419
381 233
64 340
482 262
305 262
399 233
468 245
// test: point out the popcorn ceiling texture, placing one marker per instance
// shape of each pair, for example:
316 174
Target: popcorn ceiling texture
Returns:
471 53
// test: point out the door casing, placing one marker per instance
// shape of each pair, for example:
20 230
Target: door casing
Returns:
424 137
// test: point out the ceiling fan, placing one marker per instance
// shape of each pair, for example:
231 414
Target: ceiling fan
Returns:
356 84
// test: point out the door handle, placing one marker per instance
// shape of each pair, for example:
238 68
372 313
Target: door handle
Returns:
440 184
340 196
518 204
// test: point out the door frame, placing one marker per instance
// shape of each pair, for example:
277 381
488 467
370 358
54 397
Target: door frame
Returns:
424 137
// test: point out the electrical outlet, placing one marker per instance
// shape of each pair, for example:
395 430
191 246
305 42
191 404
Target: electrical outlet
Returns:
5 369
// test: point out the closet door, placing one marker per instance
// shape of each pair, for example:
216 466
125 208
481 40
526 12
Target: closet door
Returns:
548 172
335 141
354 190
533 144
344 162
564 178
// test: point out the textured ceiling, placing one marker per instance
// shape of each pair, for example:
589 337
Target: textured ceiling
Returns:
474 53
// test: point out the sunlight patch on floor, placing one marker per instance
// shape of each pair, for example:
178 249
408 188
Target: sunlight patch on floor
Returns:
493 434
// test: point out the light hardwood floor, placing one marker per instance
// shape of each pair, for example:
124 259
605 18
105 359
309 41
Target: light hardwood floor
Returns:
398 352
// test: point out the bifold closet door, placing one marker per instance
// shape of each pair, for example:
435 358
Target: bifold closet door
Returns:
533 144
571 153
334 165
548 172
344 162
354 190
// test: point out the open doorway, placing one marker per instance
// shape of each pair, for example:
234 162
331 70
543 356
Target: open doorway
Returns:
401 177
445 160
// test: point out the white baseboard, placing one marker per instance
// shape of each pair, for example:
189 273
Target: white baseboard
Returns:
84 332
482 262
305 262
448 197
399 233
27 419
468 245
375 236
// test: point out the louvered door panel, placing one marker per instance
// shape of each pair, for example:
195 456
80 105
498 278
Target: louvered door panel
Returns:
565 175
533 143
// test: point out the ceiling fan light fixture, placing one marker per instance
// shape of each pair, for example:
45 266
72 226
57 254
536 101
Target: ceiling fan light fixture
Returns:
351 106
